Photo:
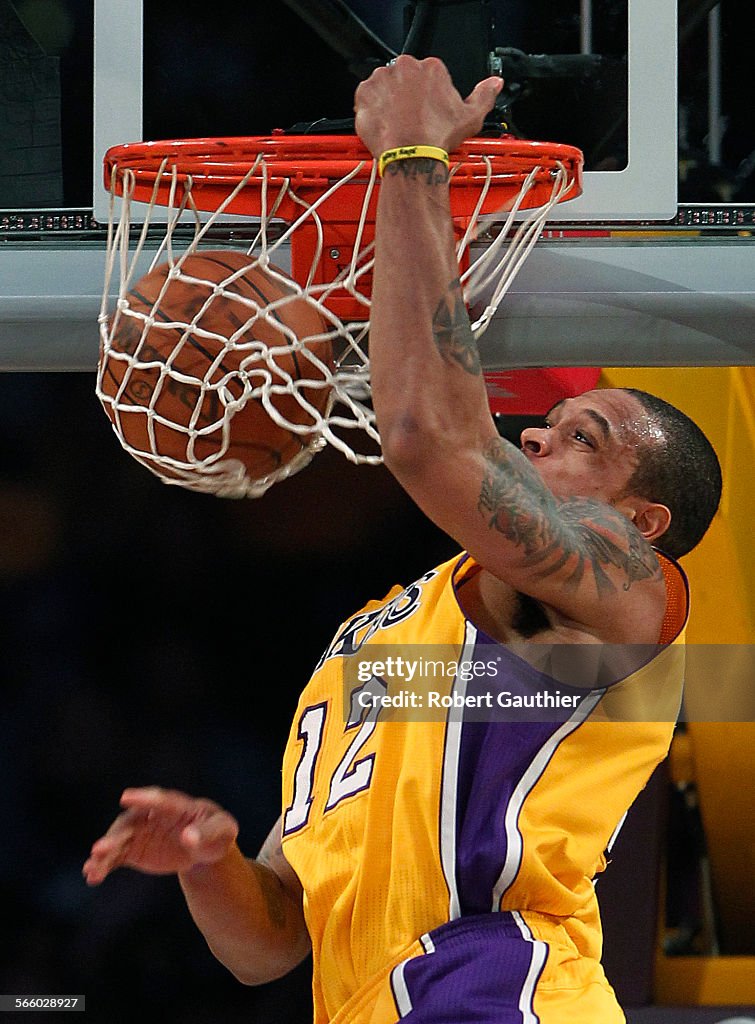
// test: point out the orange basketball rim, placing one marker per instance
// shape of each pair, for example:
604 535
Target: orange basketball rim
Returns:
326 186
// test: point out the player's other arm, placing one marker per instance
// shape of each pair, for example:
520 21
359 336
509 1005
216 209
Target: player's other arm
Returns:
249 911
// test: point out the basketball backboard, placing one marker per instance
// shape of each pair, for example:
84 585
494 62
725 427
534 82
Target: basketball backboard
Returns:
653 264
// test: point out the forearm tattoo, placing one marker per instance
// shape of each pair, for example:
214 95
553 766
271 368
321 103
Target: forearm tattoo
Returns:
274 896
587 536
453 332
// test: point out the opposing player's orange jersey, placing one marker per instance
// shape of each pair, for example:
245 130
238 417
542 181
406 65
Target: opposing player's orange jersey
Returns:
448 804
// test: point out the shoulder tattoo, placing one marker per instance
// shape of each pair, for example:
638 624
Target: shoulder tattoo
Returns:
587 537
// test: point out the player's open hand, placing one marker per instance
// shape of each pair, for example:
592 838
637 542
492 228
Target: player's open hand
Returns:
415 103
161 832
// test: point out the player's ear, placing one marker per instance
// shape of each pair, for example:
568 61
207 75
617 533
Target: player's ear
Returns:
651 518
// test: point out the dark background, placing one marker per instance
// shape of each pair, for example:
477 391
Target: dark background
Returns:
153 636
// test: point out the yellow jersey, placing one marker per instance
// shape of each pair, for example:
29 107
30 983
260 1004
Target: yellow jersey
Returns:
448 803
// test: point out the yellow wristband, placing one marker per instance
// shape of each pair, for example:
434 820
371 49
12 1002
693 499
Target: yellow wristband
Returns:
409 153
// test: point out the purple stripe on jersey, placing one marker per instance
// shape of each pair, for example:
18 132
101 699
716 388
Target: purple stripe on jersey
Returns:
495 757
482 971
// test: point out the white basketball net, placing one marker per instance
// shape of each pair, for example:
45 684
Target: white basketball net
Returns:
348 421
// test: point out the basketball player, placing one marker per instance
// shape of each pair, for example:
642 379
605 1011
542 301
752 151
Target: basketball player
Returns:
441 867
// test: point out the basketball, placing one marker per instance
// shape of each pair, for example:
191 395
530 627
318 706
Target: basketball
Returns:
198 361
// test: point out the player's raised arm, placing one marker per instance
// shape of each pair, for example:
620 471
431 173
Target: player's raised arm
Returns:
559 540
249 911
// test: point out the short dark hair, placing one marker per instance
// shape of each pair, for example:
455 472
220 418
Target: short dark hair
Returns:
681 472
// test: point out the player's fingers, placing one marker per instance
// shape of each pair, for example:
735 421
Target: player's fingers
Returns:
200 824
107 853
111 850
170 806
483 96
153 796
162 809
112 842
96 870
210 836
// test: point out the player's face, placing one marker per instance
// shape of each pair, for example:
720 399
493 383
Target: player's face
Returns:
588 447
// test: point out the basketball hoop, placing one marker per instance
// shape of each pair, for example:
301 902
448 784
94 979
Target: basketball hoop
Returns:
317 196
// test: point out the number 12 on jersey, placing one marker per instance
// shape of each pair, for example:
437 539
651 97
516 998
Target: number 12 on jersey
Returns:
351 775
